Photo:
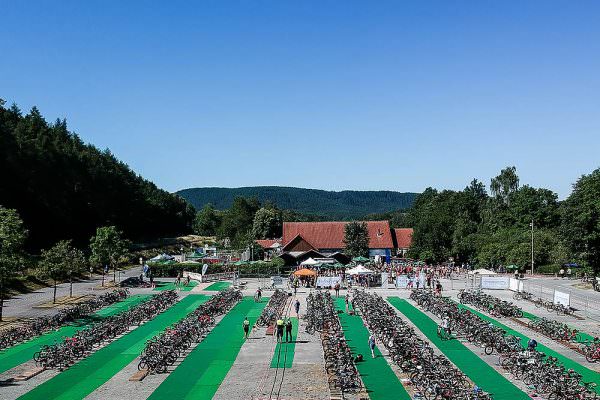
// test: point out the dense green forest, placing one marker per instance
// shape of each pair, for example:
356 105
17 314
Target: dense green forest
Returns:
494 229
64 188
342 205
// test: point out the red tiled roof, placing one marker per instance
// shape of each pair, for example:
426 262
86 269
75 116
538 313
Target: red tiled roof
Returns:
267 243
330 235
403 237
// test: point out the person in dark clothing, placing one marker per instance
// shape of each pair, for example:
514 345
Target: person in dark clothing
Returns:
288 330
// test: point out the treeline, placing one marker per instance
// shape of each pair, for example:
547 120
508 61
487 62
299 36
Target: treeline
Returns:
343 205
64 189
494 229
246 220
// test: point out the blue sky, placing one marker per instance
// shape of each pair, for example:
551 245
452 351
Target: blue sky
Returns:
333 95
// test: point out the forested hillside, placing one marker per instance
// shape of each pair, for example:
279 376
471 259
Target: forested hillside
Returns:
346 204
64 188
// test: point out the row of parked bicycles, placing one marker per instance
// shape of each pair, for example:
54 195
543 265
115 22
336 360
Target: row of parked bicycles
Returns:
322 316
12 336
63 354
546 374
164 349
562 332
491 304
542 303
434 376
274 308
555 330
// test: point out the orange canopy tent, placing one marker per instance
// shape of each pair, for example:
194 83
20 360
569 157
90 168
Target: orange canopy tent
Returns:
305 272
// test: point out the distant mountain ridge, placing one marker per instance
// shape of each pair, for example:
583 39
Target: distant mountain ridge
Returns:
345 204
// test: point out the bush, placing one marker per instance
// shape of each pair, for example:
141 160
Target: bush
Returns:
548 269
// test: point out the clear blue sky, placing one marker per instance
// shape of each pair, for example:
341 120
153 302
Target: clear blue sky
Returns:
334 95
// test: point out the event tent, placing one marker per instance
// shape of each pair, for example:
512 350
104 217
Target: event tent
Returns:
360 259
310 261
305 272
359 270
161 257
482 271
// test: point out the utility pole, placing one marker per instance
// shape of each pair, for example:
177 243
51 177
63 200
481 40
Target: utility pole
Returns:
531 247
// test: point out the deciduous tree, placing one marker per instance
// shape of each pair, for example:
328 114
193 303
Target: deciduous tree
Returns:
12 238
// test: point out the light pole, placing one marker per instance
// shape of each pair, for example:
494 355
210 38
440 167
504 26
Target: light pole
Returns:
531 247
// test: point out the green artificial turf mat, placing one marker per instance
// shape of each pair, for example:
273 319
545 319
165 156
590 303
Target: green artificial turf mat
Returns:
171 286
587 374
284 352
201 373
23 352
92 372
484 376
378 377
218 286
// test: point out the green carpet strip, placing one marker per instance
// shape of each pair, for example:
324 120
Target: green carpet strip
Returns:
380 380
201 373
171 286
587 374
284 352
92 372
218 286
23 352
484 376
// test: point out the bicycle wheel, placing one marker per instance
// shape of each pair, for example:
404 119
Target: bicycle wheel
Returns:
589 356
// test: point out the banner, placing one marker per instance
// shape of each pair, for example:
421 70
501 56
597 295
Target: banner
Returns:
276 280
494 282
562 298
516 285
204 268
193 275
401 281
422 279
384 280
328 281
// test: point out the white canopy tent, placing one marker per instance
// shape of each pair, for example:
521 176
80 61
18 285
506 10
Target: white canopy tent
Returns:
482 271
161 257
310 261
359 270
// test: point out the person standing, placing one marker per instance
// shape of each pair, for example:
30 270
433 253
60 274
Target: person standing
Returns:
347 301
246 326
337 289
372 345
279 330
297 307
288 330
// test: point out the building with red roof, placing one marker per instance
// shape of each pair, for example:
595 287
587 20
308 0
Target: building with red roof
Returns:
328 237
402 240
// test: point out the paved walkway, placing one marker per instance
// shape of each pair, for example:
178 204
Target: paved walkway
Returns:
21 306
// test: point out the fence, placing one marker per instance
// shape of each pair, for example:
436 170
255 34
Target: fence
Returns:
585 305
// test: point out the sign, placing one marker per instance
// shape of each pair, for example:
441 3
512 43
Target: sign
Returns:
204 268
494 282
328 281
562 298
402 281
